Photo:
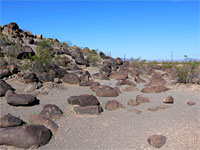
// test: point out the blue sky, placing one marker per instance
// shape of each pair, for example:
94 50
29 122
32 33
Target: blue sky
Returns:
150 29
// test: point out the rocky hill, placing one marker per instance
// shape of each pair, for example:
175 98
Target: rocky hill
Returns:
56 96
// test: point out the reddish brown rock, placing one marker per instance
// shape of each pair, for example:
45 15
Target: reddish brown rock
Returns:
51 111
133 102
154 89
157 141
139 80
113 105
153 108
137 111
10 121
126 82
129 89
191 103
119 75
169 100
141 99
41 120
105 91
71 78
91 110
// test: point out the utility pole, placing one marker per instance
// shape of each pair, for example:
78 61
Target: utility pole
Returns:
171 56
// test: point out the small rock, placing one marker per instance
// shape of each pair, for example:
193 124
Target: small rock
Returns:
137 111
163 106
153 109
51 111
157 141
105 91
129 89
10 121
154 89
113 105
92 110
169 100
190 103
30 77
71 78
141 99
119 75
133 103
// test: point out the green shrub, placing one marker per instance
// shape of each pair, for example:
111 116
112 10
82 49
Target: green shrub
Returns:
92 56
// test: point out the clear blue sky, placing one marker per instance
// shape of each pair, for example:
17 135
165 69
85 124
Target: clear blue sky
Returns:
150 29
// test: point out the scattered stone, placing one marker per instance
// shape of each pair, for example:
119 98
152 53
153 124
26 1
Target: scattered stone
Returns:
4 87
92 110
133 102
21 100
119 75
141 99
139 80
113 105
157 141
137 111
191 103
83 100
10 121
51 111
106 91
100 76
126 82
41 120
163 106
169 100
154 89
153 108
71 78
129 89
27 137
85 83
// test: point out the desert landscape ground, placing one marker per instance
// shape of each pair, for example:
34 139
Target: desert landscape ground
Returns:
96 101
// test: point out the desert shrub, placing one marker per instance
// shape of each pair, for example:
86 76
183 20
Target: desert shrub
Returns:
187 72
92 56
139 65
41 62
4 41
46 44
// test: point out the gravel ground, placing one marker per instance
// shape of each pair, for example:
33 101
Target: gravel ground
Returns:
120 129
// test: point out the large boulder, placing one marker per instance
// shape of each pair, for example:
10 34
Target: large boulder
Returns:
21 100
100 76
4 87
91 110
51 111
154 89
105 91
10 121
83 100
126 82
71 78
81 61
27 137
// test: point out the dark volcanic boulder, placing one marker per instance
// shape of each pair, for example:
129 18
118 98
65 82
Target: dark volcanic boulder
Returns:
105 91
32 136
81 61
77 54
100 76
139 80
30 77
9 121
60 73
154 89
12 25
41 120
119 61
4 87
46 77
51 111
83 100
113 105
157 141
71 78
91 110
4 73
119 75
21 100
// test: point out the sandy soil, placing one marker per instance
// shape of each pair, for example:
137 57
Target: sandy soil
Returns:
120 129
